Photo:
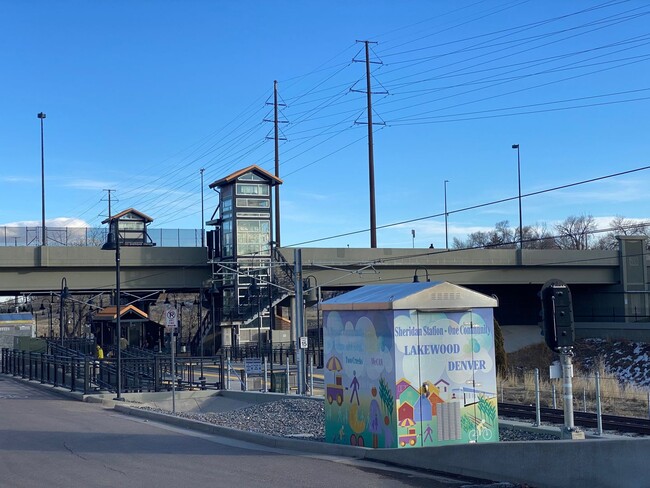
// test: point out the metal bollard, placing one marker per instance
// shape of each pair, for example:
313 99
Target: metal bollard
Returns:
554 397
266 372
286 388
311 377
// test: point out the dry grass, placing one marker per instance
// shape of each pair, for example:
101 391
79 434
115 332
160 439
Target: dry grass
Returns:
617 398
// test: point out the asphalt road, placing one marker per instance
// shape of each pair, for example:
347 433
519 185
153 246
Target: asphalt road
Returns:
49 440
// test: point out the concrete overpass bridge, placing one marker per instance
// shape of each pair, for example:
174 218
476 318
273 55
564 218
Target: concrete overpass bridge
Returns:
610 286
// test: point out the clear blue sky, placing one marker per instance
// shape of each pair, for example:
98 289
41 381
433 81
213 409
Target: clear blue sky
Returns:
140 95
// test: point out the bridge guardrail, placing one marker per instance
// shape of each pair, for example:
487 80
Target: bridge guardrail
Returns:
11 236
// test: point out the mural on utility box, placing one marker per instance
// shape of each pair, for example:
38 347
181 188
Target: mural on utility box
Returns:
406 378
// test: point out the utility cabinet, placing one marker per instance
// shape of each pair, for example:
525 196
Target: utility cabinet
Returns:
410 365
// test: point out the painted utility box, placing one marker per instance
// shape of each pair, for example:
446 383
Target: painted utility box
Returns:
410 365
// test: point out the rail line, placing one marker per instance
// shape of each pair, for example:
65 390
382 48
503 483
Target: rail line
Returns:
633 425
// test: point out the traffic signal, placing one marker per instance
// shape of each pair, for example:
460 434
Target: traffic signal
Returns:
557 315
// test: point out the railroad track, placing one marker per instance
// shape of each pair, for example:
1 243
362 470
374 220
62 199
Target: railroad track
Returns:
633 425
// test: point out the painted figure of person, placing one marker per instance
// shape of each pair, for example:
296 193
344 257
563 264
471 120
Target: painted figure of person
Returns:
427 433
375 418
355 387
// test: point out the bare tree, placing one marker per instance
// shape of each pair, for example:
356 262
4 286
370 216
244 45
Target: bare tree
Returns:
575 232
501 236
538 237
620 226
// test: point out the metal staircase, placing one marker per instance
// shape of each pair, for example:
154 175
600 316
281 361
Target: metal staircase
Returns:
281 286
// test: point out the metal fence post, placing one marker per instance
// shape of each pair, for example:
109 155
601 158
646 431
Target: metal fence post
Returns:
73 374
42 359
538 415
554 396
266 372
56 370
286 388
228 375
311 376
31 374
599 408
86 376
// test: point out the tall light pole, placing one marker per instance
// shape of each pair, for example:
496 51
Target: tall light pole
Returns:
521 230
113 244
446 232
64 294
42 116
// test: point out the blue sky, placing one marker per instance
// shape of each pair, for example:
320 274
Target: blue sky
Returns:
140 95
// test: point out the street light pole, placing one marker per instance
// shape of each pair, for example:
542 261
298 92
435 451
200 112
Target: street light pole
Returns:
42 116
113 243
446 232
64 295
521 231
49 303
202 215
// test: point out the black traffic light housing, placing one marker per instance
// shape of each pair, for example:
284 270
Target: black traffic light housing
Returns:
557 315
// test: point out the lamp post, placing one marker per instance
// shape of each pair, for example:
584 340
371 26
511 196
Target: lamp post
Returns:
202 217
49 314
415 276
446 216
413 236
64 294
113 244
521 232
197 303
42 116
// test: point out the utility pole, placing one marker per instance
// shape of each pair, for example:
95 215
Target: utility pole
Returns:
109 203
371 157
276 137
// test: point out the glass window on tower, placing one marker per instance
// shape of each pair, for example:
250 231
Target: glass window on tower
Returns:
252 189
253 237
227 238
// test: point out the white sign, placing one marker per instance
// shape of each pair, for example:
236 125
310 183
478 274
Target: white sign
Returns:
304 343
171 318
253 365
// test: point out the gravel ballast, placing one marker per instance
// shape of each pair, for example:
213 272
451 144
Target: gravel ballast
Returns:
303 418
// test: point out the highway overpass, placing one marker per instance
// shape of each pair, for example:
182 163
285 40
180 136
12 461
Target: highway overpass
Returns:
607 286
